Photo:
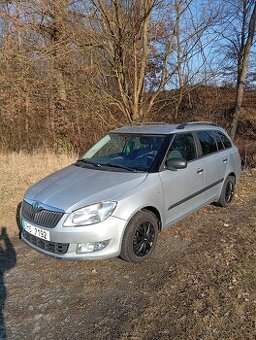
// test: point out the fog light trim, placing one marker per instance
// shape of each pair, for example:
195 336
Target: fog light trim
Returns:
91 247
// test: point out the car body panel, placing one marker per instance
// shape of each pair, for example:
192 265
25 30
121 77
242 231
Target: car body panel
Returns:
183 190
215 168
76 187
111 229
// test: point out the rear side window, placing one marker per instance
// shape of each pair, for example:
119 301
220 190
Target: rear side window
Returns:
207 142
183 146
216 136
225 140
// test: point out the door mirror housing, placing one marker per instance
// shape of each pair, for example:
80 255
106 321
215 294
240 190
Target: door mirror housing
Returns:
176 163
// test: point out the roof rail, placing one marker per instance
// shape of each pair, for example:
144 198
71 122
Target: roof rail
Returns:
182 125
148 123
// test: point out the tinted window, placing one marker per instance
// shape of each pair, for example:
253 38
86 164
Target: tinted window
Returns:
215 135
225 140
183 146
207 142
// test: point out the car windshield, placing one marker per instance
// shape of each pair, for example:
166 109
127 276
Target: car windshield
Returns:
125 151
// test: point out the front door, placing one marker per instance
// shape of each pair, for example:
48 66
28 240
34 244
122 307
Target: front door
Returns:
183 188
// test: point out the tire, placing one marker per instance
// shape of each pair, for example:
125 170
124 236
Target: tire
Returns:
140 237
227 192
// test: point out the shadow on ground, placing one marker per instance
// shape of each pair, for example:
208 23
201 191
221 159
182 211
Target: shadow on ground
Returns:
18 219
7 261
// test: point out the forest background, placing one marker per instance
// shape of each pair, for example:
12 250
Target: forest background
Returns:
71 70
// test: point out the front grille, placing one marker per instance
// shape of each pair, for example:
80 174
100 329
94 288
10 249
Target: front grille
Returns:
53 247
41 217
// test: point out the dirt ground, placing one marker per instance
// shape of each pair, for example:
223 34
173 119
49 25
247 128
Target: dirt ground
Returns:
200 283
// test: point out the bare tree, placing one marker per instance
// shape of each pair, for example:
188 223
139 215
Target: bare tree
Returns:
190 65
238 32
44 74
124 38
243 60
178 6
75 68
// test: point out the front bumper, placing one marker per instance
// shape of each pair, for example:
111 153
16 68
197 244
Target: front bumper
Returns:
111 229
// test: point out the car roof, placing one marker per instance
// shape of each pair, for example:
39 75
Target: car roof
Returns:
166 128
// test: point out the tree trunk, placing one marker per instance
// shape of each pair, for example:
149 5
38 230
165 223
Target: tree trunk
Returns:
61 86
242 76
178 6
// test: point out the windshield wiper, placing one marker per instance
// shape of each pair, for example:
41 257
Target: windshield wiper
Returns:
89 162
119 166
98 165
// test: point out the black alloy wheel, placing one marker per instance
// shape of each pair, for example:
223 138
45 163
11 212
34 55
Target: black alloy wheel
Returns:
140 237
227 193
143 239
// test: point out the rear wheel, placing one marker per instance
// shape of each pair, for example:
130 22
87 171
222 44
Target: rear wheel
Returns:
227 192
140 237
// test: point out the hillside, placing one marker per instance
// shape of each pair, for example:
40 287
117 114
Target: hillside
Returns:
74 130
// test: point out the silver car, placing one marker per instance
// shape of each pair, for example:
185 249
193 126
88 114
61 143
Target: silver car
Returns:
133 183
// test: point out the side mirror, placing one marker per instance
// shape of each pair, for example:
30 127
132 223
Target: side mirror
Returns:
176 163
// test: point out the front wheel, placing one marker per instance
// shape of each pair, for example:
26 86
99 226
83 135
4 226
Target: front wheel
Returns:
140 237
227 192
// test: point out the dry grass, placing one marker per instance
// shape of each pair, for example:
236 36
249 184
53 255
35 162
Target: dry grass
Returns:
18 171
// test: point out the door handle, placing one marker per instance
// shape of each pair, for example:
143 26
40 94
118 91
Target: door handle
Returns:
224 160
199 170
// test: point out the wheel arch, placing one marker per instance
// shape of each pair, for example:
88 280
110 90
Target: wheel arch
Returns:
156 213
232 174
149 208
127 251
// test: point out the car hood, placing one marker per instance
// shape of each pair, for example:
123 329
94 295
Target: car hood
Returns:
75 187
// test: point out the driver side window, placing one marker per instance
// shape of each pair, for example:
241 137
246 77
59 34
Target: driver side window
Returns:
183 146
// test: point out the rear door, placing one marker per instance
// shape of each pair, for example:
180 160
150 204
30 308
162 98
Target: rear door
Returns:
215 159
183 188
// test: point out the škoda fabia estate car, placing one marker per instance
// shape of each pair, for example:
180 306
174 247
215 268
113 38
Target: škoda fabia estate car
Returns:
133 183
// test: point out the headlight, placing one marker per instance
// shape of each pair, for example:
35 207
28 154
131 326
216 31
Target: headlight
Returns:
91 214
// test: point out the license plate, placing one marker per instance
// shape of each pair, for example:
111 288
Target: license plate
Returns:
38 232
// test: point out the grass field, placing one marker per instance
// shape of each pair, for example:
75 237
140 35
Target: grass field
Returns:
17 172
199 284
